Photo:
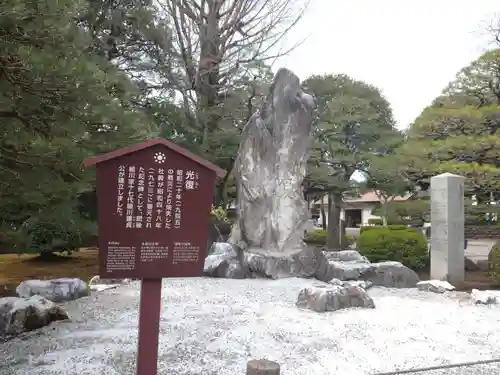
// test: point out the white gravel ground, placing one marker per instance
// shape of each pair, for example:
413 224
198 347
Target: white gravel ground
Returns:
213 326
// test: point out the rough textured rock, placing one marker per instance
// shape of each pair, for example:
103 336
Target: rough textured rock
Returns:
365 284
226 260
336 282
485 297
301 263
388 274
391 275
57 290
435 286
214 234
262 367
321 298
18 315
98 284
345 256
351 265
97 280
268 171
349 270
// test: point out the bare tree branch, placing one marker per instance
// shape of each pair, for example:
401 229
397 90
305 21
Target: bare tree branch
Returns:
216 40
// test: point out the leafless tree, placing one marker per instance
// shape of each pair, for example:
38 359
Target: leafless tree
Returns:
216 40
494 28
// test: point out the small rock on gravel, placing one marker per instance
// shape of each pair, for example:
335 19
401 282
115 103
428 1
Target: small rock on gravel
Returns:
435 286
57 290
19 315
485 297
322 298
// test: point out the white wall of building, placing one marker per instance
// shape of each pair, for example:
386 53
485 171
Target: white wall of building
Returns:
366 213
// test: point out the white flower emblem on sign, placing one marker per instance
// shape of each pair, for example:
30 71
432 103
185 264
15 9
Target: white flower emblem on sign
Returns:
159 157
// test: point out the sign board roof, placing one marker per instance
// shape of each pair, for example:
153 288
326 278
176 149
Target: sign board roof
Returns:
154 201
221 173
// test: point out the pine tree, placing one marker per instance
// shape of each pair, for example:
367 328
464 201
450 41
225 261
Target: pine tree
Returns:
58 105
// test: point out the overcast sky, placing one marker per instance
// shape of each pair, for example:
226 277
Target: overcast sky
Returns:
409 49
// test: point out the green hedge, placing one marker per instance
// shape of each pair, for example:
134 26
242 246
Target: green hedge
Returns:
494 263
394 243
376 221
319 236
378 227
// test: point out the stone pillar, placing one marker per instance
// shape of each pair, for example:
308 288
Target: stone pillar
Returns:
447 228
262 367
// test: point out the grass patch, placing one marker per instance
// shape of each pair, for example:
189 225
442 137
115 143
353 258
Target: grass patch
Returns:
14 269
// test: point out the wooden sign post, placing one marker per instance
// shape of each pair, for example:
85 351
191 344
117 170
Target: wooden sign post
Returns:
154 201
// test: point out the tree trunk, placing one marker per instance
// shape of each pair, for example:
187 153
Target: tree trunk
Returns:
208 74
333 238
384 213
322 212
385 201
220 191
342 235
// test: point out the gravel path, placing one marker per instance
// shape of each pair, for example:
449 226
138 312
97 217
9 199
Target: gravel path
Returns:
213 326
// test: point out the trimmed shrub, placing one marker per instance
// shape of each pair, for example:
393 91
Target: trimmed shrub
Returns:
319 236
375 221
398 227
220 213
399 244
364 229
378 227
494 263
53 234
220 219
316 237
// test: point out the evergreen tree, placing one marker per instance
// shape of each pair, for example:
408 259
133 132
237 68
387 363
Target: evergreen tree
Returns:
58 105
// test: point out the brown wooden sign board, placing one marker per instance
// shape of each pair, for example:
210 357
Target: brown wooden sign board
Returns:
154 201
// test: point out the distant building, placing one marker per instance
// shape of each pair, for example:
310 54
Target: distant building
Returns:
357 211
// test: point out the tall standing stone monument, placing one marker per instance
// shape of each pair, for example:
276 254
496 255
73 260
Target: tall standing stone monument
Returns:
267 237
270 168
447 228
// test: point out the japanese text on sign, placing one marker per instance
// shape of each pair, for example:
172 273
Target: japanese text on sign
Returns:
120 189
153 251
160 188
129 223
168 202
185 252
119 257
150 197
179 179
153 198
141 178
191 180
